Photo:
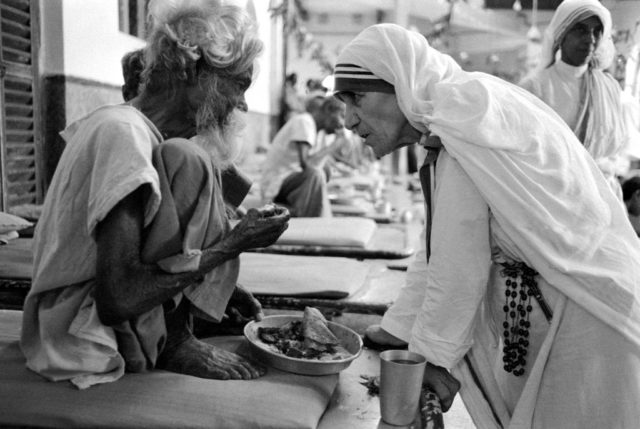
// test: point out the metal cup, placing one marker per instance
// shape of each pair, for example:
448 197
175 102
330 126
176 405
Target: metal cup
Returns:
401 373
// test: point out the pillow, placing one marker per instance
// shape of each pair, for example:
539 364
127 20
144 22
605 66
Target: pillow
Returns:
158 399
11 235
9 222
301 276
30 212
333 231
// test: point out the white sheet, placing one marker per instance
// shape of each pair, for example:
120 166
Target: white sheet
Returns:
317 276
340 231
157 399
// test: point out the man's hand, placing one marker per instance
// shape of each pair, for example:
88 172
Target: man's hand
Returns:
243 307
259 228
442 383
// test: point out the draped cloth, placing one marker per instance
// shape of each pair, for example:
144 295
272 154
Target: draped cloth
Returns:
191 217
539 182
110 153
544 191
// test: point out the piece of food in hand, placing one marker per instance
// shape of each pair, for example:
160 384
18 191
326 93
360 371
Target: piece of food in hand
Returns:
271 210
266 211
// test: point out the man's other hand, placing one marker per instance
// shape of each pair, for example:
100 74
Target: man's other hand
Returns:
243 307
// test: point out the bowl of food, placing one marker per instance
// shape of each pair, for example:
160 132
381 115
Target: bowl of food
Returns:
307 344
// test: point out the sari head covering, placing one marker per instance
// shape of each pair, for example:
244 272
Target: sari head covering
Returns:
568 13
542 187
599 127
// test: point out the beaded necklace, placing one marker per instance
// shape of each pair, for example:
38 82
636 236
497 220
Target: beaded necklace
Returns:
520 287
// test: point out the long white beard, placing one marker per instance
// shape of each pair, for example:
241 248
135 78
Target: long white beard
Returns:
224 145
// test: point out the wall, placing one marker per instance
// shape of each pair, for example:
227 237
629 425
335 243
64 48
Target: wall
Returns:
626 21
333 34
81 49
263 94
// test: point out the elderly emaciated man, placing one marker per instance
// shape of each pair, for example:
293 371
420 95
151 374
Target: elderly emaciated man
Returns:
134 239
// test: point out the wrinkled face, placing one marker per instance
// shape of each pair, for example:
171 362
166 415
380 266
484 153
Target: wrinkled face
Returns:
581 41
215 97
377 118
218 104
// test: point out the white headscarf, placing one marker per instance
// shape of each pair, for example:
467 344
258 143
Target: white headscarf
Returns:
568 13
541 185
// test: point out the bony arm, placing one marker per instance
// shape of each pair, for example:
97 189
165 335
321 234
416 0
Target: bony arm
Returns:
303 153
126 286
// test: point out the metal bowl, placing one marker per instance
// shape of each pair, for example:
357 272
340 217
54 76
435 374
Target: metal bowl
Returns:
349 339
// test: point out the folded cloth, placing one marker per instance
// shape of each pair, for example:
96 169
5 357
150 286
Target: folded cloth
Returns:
16 259
301 276
157 399
10 222
388 242
337 231
30 212
8 236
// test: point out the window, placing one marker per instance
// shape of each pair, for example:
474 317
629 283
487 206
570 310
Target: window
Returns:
20 180
132 17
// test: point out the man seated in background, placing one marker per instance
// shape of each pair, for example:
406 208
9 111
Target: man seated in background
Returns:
293 175
574 84
351 155
134 239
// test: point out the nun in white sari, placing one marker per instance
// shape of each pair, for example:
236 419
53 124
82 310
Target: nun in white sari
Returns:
531 293
571 79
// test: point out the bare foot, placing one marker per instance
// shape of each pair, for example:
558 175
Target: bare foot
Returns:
197 358
376 334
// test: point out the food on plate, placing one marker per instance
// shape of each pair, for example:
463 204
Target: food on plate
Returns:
308 338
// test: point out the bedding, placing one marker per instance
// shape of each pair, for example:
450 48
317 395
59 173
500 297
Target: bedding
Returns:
16 259
157 399
301 276
336 231
8 236
349 237
12 223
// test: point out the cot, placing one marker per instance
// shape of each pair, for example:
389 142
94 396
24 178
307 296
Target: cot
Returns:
287 282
